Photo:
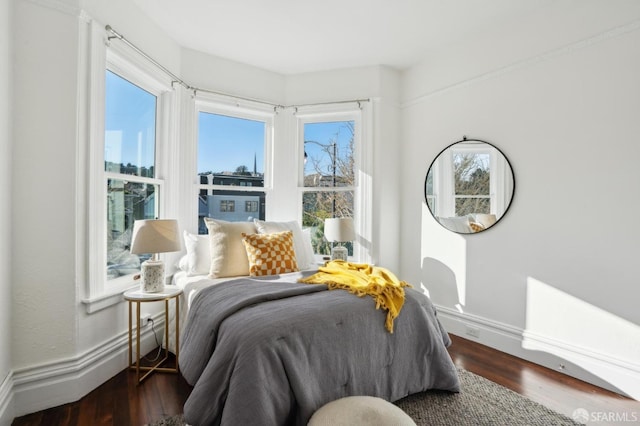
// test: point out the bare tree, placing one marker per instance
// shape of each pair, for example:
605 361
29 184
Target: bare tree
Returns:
472 180
339 172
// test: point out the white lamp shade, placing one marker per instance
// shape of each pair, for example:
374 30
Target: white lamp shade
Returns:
155 236
339 229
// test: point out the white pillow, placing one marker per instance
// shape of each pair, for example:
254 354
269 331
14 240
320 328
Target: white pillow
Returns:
198 254
302 259
228 254
456 224
183 263
308 248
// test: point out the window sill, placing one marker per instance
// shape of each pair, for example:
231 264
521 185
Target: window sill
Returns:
97 303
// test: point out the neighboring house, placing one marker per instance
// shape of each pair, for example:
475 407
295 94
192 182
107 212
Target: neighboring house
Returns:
230 205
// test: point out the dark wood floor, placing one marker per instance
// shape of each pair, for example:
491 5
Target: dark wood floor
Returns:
119 402
550 388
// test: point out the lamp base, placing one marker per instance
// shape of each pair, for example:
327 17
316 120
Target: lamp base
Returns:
339 253
152 273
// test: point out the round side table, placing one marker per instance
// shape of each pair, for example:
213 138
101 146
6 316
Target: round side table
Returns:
136 296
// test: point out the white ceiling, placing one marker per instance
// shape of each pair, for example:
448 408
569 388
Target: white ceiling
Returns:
297 36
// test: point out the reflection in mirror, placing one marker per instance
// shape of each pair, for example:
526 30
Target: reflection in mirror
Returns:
469 186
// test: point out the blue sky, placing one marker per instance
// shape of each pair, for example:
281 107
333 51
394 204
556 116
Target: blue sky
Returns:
129 123
325 133
224 143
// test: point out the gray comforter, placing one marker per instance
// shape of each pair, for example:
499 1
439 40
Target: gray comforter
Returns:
271 351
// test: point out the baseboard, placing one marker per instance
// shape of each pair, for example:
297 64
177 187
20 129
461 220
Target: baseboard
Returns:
49 385
6 400
585 364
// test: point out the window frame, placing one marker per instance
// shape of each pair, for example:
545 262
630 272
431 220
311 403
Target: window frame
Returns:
444 196
475 150
362 205
99 291
220 105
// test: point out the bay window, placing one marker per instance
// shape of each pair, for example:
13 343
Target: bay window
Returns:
153 148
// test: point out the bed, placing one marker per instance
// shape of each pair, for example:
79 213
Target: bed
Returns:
271 350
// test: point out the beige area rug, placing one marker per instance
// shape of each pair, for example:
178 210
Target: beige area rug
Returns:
481 402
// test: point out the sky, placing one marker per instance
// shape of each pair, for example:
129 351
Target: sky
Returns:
224 142
325 133
129 123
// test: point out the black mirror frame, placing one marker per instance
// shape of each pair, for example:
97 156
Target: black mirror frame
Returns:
513 177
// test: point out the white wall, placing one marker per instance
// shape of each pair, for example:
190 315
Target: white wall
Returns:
59 352
381 85
386 173
44 310
6 36
43 222
555 280
214 73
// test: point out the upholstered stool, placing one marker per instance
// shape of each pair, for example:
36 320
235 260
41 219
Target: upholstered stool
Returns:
360 411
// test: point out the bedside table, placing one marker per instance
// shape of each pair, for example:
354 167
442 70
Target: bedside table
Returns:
137 297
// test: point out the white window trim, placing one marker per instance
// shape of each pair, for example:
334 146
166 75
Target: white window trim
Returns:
360 114
443 178
222 105
101 55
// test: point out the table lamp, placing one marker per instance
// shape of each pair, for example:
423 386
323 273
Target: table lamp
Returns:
154 236
339 230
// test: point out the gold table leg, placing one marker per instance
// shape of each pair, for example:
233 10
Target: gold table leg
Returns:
158 366
138 341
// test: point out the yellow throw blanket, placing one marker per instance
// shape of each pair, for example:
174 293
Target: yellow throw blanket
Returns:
362 279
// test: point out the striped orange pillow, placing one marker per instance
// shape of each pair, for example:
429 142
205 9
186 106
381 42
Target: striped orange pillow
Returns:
270 254
476 227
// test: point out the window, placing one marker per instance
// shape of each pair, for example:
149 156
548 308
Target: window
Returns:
129 163
464 180
471 182
127 126
251 206
231 164
227 206
328 176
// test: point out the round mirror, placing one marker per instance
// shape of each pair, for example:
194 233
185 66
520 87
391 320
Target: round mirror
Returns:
469 186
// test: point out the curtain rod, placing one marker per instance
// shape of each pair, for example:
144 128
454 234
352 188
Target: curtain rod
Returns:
120 37
180 81
175 78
